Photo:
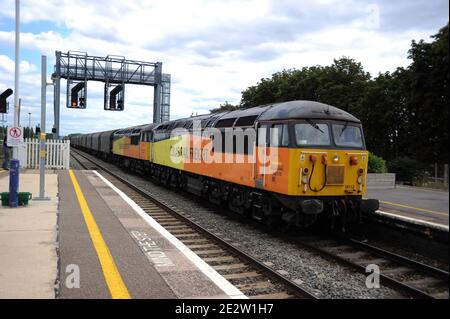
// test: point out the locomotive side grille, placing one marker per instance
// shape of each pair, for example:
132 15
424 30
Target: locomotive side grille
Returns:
335 175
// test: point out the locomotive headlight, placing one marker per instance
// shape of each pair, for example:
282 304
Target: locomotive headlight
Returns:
354 160
305 179
335 158
359 180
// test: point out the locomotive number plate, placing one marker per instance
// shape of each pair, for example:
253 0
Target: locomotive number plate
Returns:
335 174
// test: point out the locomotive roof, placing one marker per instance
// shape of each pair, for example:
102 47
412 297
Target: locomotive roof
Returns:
137 128
293 110
305 110
274 111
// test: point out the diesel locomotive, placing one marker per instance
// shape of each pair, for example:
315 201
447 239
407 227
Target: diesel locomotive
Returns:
293 163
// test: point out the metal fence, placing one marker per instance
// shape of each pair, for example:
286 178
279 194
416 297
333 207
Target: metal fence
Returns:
436 173
57 154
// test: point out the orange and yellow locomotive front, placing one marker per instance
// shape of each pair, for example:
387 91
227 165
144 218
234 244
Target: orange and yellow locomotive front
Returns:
318 172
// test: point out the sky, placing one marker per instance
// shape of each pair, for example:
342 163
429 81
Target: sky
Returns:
213 49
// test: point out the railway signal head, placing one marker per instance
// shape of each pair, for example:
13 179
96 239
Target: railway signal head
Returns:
78 96
3 97
114 100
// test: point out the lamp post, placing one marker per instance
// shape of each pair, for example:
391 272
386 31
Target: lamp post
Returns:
16 72
15 165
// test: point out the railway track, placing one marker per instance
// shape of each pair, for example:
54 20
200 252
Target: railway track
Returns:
413 278
75 162
254 278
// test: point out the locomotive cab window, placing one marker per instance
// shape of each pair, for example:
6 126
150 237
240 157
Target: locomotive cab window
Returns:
279 135
312 134
262 135
146 136
347 135
134 139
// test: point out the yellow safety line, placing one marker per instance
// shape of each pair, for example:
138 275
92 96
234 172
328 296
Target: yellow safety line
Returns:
112 276
415 208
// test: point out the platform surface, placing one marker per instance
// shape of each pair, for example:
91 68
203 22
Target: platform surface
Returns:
419 203
149 265
28 258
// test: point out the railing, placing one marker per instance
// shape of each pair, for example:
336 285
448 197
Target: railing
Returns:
57 154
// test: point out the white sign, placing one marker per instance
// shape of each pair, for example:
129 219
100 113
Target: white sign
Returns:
15 136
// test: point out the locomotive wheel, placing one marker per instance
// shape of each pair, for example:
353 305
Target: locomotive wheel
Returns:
265 212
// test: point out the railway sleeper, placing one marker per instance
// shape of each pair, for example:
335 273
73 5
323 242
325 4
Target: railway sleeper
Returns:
230 267
242 275
426 282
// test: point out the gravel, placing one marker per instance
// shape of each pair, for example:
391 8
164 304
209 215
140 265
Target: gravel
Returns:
325 278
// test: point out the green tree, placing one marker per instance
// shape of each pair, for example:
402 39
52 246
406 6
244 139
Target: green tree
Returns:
376 164
342 84
384 114
428 100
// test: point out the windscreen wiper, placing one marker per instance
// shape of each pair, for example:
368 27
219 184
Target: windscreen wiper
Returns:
314 125
343 129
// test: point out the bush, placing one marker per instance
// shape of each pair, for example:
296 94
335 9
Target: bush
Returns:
406 169
376 164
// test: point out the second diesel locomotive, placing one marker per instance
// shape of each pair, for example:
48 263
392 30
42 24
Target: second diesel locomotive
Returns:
294 162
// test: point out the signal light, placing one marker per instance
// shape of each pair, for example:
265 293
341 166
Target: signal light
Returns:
3 97
77 95
353 160
114 101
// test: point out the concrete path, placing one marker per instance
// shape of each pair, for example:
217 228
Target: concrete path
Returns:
28 260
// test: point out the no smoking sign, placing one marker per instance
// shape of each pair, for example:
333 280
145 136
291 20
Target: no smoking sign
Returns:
15 136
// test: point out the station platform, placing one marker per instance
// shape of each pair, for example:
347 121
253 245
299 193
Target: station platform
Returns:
117 253
28 240
415 204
